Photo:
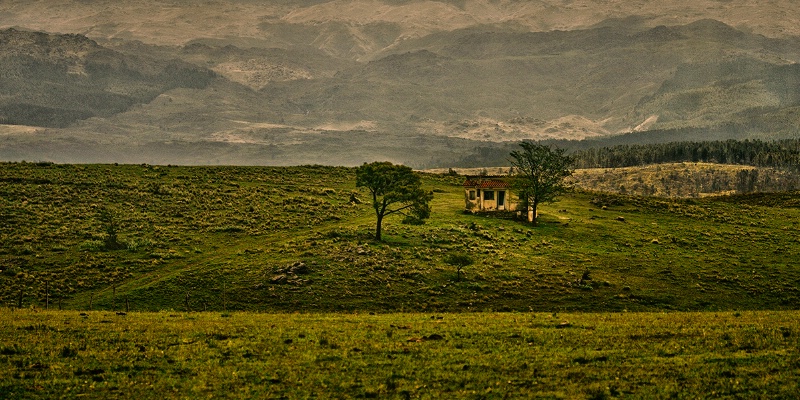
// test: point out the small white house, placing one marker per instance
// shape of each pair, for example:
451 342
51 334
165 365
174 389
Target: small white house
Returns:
488 194
491 193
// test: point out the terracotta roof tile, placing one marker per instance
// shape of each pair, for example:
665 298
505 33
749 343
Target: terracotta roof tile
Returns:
487 183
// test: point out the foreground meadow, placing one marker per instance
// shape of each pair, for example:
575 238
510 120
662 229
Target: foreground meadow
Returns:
470 355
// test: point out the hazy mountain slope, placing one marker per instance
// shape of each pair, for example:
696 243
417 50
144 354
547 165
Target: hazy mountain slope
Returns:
372 77
55 80
360 27
604 78
256 67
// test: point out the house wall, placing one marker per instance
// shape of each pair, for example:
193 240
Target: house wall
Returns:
472 202
487 203
480 203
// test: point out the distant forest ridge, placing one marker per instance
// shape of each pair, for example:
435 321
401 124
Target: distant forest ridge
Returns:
758 153
782 154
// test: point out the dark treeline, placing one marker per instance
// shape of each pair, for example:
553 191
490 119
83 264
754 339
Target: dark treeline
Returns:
783 154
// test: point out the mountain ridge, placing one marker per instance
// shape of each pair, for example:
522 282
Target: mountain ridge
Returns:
311 77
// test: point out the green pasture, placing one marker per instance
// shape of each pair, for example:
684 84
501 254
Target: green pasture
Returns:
300 239
256 282
422 355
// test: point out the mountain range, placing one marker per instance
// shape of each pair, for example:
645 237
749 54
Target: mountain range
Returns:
425 83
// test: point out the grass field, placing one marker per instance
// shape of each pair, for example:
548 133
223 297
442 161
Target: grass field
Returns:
587 297
289 239
467 355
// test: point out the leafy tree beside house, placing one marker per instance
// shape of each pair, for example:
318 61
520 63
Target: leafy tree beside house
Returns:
540 175
395 189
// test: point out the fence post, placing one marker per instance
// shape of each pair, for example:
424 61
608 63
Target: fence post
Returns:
127 306
47 295
91 301
187 303
21 293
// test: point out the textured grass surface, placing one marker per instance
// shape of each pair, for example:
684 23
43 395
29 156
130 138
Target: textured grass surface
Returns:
289 239
472 355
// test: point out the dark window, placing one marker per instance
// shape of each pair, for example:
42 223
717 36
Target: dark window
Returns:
472 195
488 195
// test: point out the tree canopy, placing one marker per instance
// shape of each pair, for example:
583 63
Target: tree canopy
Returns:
395 189
540 175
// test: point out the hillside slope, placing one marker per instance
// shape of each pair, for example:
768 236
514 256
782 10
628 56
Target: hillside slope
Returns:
56 80
282 83
290 239
359 28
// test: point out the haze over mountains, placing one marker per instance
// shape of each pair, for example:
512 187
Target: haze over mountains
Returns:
419 82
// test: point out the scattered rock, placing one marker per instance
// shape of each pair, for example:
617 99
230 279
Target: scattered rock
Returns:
299 268
278 279
360 250
563 324
621 219
434 336
586 276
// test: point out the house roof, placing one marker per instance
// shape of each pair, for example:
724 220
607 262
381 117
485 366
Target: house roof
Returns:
487 183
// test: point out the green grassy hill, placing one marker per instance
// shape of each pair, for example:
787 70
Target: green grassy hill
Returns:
290 239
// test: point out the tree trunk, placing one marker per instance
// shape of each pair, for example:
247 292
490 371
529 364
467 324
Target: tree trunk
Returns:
378 228
535 215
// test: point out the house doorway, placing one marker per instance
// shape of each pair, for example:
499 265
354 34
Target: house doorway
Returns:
501 200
